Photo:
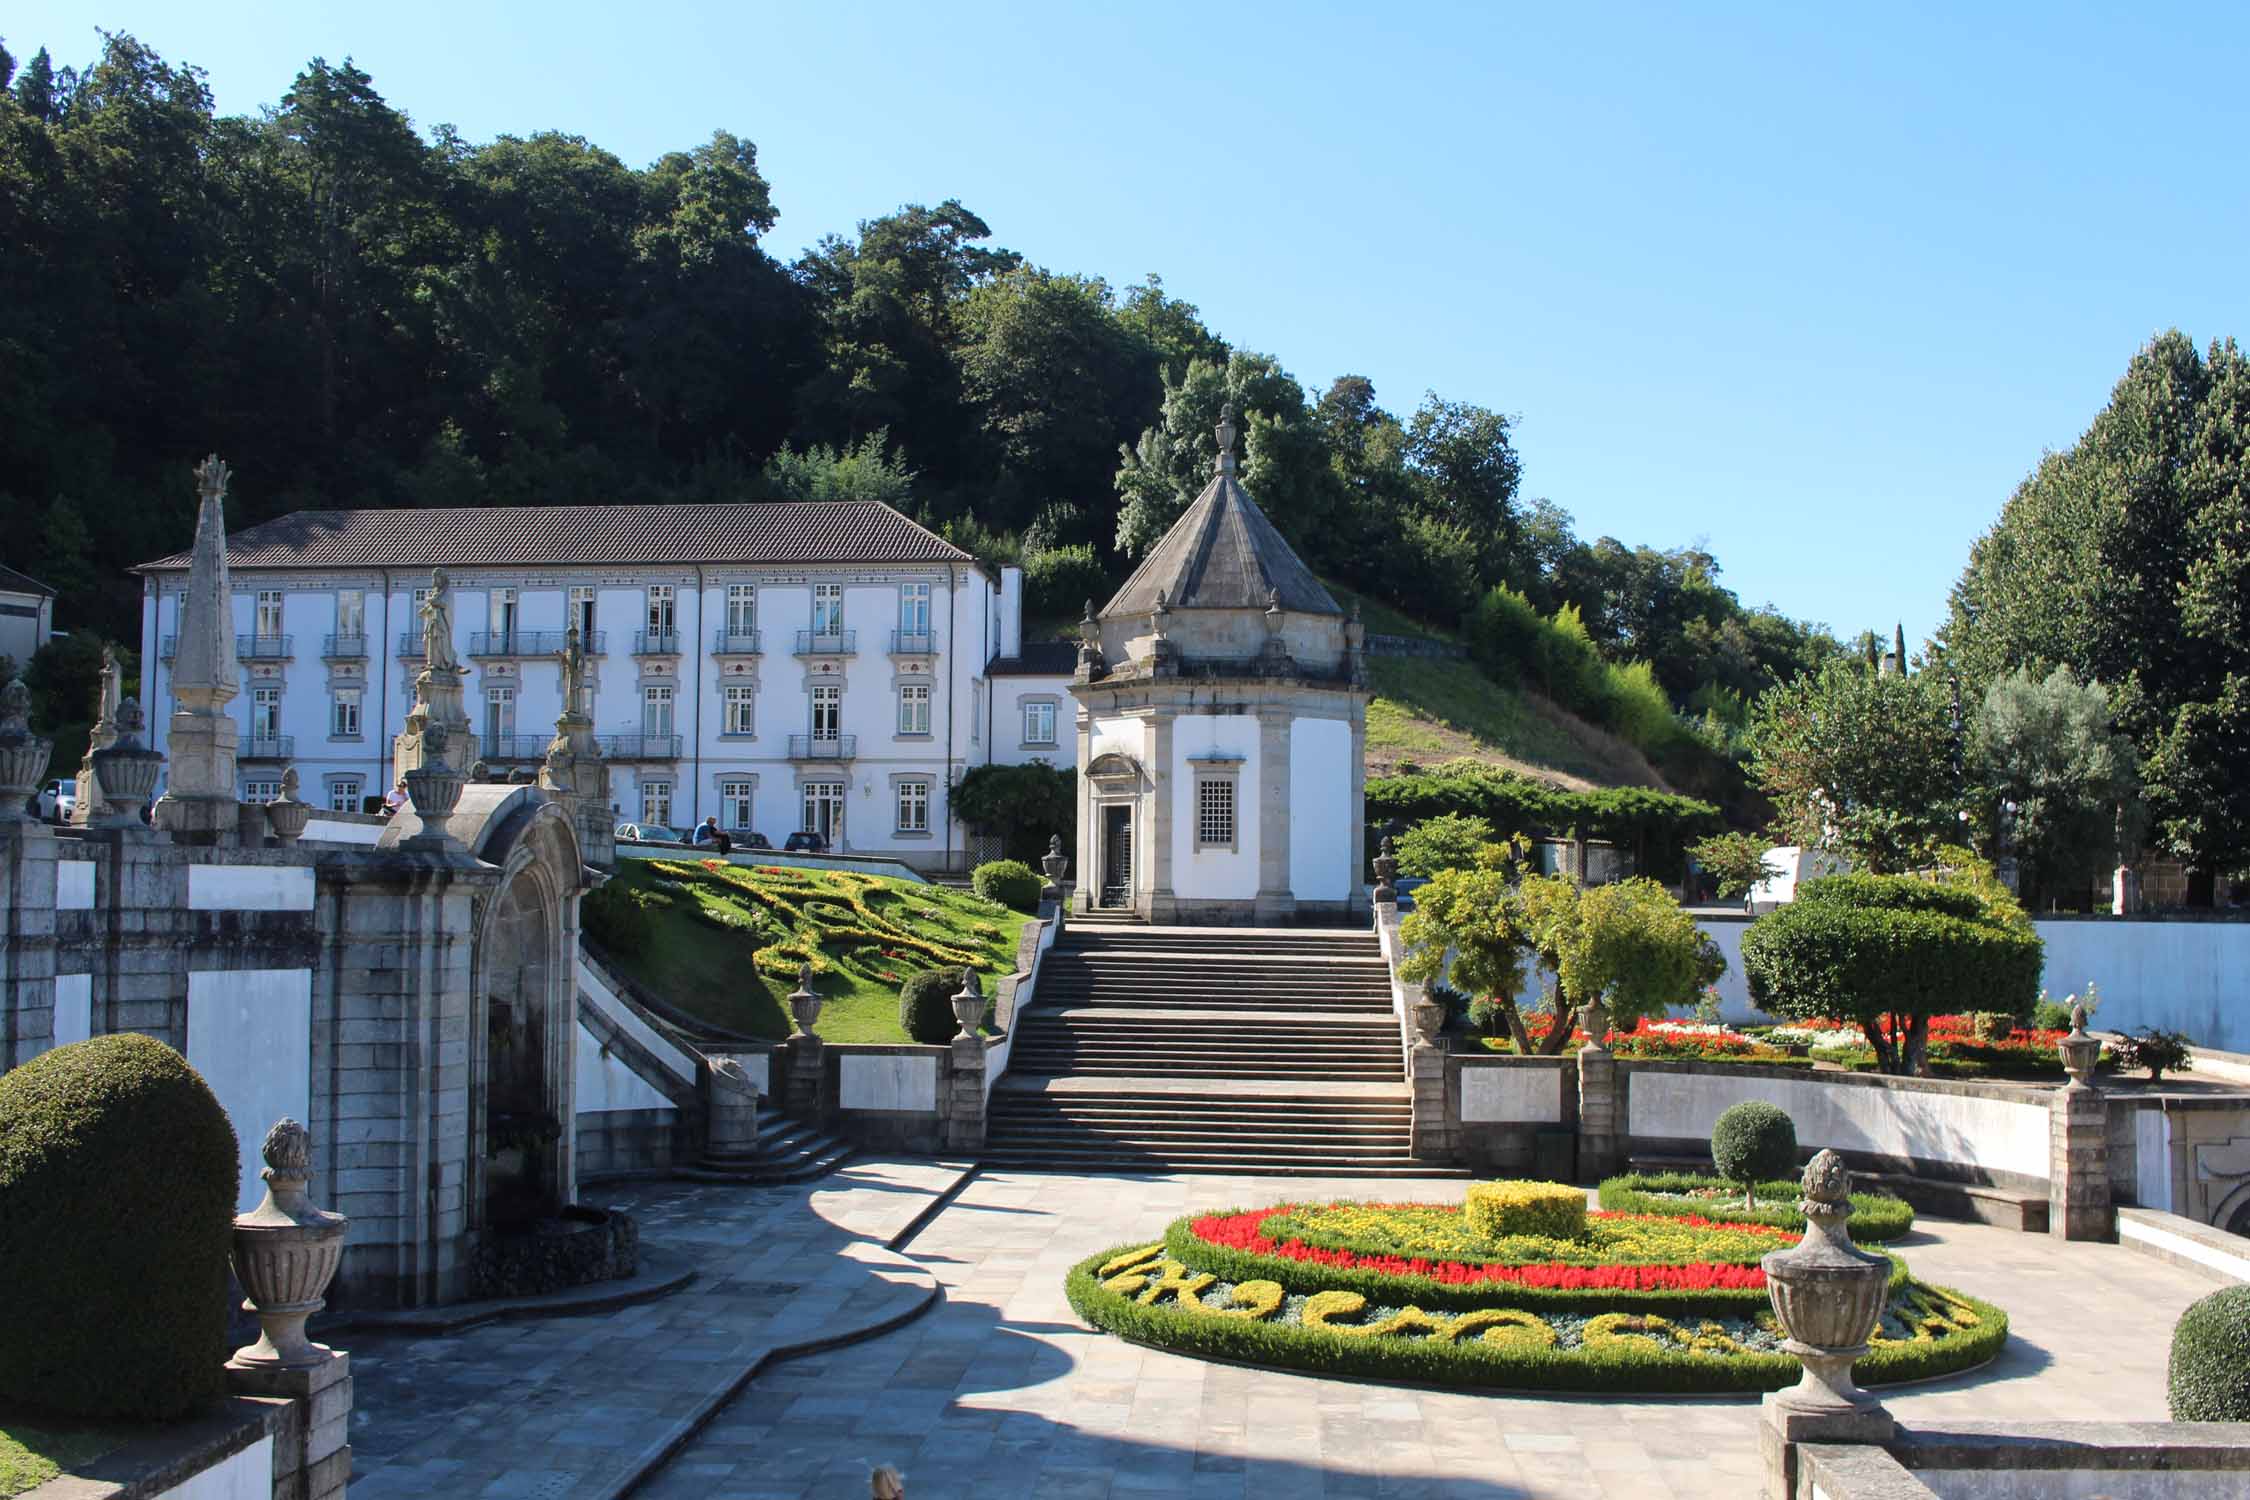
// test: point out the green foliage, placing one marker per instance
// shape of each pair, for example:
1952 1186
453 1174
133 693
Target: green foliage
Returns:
1859 761
1654 825
2054 1015
2156 1050
1023 805
1627 944
1888 952
2045 749
118 1169
864 471
1737 861
1752 1142
620 917
1010 882
1875 1217
1449 841
1467 929
2208 1377
1552 1210
925 1006
1058 581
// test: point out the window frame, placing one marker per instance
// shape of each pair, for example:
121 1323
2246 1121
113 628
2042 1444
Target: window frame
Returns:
653 694
1208 782
910 694
340 699
911 792
744 696
738 794
1031 707
653 792
349 790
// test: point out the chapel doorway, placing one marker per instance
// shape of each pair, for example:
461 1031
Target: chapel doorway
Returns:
1117 856
522 1130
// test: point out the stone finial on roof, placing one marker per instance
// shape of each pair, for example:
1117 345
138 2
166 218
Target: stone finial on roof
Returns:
205 673
1226 432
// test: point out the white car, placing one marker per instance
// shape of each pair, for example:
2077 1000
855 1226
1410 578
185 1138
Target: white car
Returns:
57 799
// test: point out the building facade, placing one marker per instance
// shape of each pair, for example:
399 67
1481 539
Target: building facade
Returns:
27 616
821 667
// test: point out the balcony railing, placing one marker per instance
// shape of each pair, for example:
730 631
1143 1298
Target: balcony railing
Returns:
738 642
514 746
656 643
827 642
640 746
528 642
823 746
410 645
246 647
343 647
267 747
912 643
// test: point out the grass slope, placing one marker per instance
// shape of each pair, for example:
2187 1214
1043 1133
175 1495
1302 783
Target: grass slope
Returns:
709 927
30 1456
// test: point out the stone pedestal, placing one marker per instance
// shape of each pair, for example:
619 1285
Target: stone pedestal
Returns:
1600 1113
199 806
730 1106
2078 1201
964 1101
807 1070
1781 1428
27 941
312 1455
1425 1073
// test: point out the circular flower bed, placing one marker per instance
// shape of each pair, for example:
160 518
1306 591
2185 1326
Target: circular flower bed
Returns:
1875 1216
1637 1302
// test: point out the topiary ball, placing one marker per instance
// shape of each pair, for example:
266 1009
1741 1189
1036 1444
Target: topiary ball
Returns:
1010 882
925 1006
1754 1142
117 1192
2209 1379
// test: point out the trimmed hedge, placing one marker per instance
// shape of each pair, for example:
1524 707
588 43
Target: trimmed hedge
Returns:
1010 882
925 1006
1875 1216
2209 1376
1620 1365
117 1194
1496 1210
1752 1142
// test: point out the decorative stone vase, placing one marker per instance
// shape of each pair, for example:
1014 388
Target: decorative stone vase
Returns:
804 1005
1053 864
1429 1017
287 814
435 787
285 1254
968 1006
2080 1052
126 772
23 755
1386 874
1594 1020
1827 1294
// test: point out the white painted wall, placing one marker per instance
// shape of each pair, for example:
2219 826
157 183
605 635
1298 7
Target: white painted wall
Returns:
323 830
74 1008
247 1475
249 1033
887 1081
2152 1159
605 1083
1118 736
623 1016
1320 834
1214 874
250 888
1930 1124
2181 976
1511 1094
74 885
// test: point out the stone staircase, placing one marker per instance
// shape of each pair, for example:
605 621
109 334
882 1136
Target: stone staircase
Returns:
786 1151
1207 1049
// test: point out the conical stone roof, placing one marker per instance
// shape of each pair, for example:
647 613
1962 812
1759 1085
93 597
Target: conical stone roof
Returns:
1222 553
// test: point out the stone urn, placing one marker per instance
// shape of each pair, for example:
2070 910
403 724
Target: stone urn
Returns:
287 814
434 787
1827 1294
804 1005
1593 1019
968 1006
1053 864
1429 1016
126 772
23 755
2080 1052
1386 874
285 1254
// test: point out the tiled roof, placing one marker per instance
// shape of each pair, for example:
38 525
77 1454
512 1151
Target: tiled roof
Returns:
841 531
21 583
1038 659
1222 553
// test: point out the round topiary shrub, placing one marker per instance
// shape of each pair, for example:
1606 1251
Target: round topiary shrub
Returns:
2209 1380
1010 882
1553 1210
1753 1142
925 1006
117 1191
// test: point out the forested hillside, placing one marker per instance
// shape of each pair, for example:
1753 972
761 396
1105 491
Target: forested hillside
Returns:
358 310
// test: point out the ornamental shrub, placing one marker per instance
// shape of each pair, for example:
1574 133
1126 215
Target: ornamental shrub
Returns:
1009 882
117 1194
1751 1142
2209 1379
925 1006
1552 1210
1888 952
618 918
2154 1049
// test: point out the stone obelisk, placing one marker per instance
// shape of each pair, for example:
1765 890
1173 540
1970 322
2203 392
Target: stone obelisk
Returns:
199 805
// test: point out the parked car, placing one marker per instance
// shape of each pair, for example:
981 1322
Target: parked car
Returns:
650 833
752 841
804 841
57 799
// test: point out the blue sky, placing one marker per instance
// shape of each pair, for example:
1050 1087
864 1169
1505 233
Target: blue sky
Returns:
1816 288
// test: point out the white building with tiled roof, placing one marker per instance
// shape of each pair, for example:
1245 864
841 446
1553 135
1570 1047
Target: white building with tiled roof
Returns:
821 666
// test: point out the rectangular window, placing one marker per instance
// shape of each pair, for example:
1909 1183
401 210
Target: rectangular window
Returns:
343 794
656 712
265 713
1214 812
735 799
261 791
827 608
499 720
914 609
824 810
351 612
656 803
914 708
827 711
343 714
1039 723
662 616
742 706
269 612
913 807
582 615
504 614
742 608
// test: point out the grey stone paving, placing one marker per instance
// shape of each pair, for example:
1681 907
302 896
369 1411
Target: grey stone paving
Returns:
1000 1393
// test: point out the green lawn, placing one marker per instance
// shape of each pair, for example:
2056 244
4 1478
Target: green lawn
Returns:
726 944
30 1456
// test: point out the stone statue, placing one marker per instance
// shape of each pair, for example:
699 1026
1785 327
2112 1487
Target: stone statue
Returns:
1226 434
106 705
573 659
437 627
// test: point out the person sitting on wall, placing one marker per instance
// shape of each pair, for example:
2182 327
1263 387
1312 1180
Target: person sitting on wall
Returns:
395 798
709 832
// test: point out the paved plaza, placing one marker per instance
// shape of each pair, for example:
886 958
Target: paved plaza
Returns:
997 1391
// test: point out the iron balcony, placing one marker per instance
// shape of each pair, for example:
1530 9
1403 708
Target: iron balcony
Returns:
823 746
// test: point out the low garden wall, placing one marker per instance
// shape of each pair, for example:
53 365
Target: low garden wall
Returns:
1503 1108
